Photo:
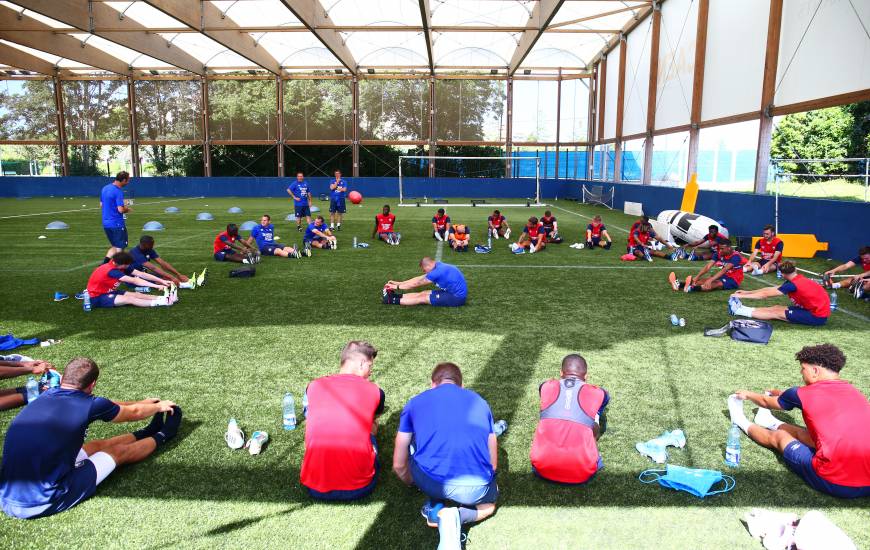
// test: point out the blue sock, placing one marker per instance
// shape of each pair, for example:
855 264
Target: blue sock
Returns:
467 515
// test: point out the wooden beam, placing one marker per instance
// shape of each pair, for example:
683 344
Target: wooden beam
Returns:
595 16
768 89
821 103
652 92
206 131
602 99
354 151
134 129
426 17
129 33
558 121
60 45
509 137
279 84
627 28
199 15
620 109
23 60
61 127
542 13
698 86
591 125
312 14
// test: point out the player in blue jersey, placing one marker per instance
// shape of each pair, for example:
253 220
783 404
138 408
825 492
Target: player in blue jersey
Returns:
264 237
47 466
318 235
337 206
301 195
451 290
146 258
114 207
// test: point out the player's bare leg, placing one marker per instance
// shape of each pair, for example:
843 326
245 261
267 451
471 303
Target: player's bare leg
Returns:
770 313
10 399
415 298
138 300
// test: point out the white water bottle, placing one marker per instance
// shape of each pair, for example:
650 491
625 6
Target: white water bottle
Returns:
732 447
86 301
354 242
288 406
32 389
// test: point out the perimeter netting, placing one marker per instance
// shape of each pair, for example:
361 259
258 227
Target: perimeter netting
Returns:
502 181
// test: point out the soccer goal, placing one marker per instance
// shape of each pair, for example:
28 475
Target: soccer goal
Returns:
480 181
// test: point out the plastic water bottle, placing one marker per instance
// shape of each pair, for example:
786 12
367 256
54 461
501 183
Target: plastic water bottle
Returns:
86 301
674 319
833 301
500 427
305 404
32 389
732 447
682 322
354 242
778 273
489 242
289 408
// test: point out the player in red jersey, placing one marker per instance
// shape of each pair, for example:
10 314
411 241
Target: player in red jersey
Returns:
832 454
533 237
440 225
811 304
564 447
631 230
597 235
769 248
385 227
859 284
228 247
642 244
104 282
708 247
497 226
551 228
459 237
729 276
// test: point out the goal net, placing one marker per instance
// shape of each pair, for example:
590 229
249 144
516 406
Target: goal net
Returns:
469 181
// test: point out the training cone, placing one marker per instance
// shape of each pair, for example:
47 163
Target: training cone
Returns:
57 225
204 217
172 210
315 209
355 197
234 210
248 225
153 226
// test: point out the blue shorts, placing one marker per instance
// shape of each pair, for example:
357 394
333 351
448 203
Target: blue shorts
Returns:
800 316
442 298
351 494
762 262
106 300
303 211
469 495
222 255
78 485
117 236
337 205
595 241
799 459
269 249
728 283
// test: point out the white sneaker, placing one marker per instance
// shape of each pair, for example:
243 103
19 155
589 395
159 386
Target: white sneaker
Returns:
234 437
163 301
257 441
507 234
532 250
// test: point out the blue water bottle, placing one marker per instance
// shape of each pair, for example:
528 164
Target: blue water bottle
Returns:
675 320
732 447
289 410
500 427
86 301
32 389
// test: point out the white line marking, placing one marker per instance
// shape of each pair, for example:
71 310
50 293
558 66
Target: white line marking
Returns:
439 250
506 266
97 208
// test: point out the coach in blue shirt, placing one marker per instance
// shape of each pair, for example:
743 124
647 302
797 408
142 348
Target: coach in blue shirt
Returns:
301 195
113 207
446 446
451 289
47 466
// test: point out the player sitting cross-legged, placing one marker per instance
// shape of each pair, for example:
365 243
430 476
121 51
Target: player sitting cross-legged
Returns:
318 235
497 226
459 237
385 230
643 238
729 276
597 235
264 236
104 281
451 289
551 228
228 247
768 249
532 238
441 225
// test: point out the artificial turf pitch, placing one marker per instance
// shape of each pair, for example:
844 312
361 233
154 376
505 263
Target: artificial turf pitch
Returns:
233 347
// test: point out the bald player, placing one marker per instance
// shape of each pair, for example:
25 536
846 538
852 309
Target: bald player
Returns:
450 290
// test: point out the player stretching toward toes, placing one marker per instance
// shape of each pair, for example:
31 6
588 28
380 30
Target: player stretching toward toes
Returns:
319 236
385 227
264 236
459 237
832 454
451 289
47 466
597 235
729 276
533 237
811 303
859 284
229 248
440 225
642 247
146 258
104 281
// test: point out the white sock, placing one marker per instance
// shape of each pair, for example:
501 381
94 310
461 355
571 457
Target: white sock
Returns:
735 409
836 285
188 285
339 224
765 419
744 311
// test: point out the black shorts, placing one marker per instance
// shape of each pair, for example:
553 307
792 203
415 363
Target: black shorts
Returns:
303 211
117 236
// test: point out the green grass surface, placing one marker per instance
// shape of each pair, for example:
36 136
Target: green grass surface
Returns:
233 347
851 189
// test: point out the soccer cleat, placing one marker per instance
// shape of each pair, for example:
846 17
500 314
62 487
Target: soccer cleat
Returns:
647 255
80 295
298 228
334 245
234 436
757 272
338 227
672 278
202 276
675 256
296 254
246 261
688 285
307 252
60 296
430 512
734 304
532 249
717 332
398 238
257 442
163 301
608 245
692 257
189 285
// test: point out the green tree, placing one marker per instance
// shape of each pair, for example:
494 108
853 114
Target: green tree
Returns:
243 109
821 134
470 110
394 109
170 110
859 137
318 109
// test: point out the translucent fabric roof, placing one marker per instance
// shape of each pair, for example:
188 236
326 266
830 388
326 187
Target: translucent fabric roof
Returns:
309 35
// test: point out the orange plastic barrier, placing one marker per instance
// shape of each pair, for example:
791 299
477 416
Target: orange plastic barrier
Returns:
798 245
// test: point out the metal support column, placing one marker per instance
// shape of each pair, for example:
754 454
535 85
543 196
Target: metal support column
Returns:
768 90
509 127
432 147
591 126
652 92
355 146
558 119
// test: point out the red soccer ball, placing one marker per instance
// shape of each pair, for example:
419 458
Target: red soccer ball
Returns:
355 197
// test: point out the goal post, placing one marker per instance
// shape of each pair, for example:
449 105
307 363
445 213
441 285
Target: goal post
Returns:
430 180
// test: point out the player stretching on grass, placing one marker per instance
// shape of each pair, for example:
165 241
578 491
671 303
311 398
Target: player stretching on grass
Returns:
642 238
551 228
634 227
318 236
729 276
498 226
264 236
11 398
451 289
533 237
769 247
337 206
228 247
47 466
459 237
708 247
595 231
832 454
104 281
440 225
859 283
385 227
811 303
301 195
146 258
114 207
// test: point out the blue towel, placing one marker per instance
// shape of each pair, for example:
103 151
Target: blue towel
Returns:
8 342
